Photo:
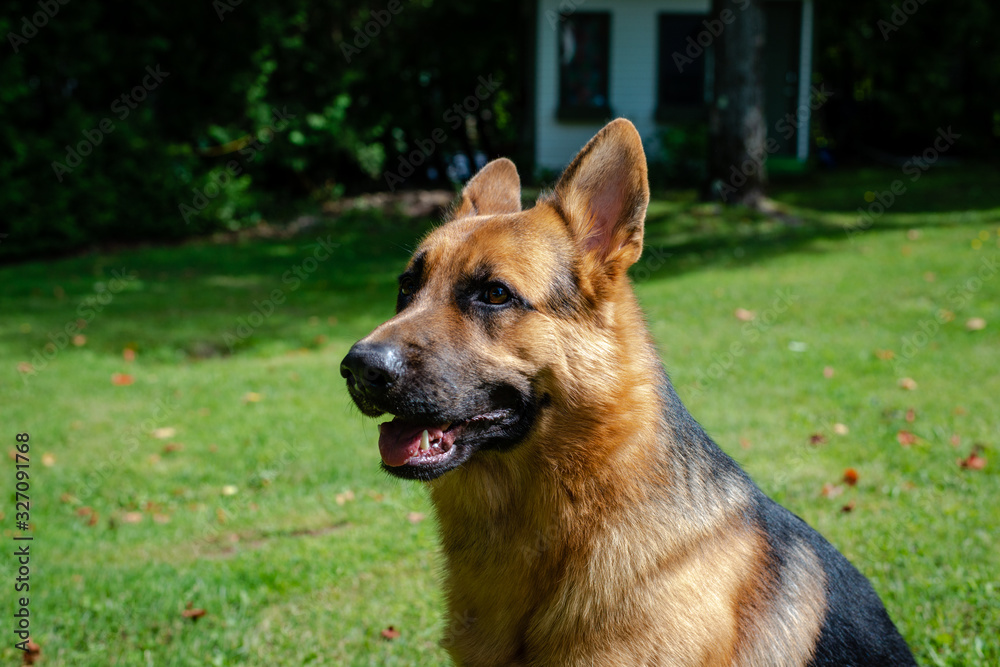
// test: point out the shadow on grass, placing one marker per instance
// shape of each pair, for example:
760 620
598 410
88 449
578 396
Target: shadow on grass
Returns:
184 303
816 207
939 189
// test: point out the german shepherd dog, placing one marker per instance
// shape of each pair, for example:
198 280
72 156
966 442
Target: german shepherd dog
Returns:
585 516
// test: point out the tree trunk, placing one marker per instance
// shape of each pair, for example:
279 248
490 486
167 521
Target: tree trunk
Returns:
737 131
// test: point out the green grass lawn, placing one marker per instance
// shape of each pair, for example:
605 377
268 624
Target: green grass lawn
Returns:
232 475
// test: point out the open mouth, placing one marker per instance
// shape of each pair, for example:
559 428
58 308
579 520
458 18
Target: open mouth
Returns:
408 441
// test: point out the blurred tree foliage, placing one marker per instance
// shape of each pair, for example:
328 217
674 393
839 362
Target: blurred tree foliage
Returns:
359 83
900 69
363 91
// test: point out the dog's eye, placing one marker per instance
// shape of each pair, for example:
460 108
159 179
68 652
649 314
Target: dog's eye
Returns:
496 294
406 287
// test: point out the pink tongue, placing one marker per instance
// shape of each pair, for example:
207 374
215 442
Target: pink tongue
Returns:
399 441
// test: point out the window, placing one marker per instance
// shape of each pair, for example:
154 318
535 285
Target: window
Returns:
685 67
584 52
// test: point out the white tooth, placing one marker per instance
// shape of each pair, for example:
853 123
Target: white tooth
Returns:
425 441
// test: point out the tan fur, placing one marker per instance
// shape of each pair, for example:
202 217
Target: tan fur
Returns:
583 545
793 619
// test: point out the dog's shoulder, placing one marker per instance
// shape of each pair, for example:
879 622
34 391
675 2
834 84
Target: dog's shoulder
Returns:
856 628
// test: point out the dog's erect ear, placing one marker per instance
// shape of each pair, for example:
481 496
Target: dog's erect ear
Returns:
495 189
604 193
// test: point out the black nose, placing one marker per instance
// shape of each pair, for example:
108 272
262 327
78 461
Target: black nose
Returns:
372 368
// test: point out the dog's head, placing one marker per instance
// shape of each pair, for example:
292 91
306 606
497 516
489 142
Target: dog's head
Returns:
502 313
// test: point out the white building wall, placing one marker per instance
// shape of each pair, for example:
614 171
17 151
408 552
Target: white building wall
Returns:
631 72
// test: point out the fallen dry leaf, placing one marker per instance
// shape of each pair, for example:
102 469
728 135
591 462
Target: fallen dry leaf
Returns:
390 633
48 460
945 315
128 354
828 372
744 443
194 614
171 447
850 477
955 440
911 415
24 367
345 497
161 518
79 340
849 507
93 519
132 517
975 324
908 384
121 379
229 490
84 511
744 315
841 429
67 498
831 490
930 276
817 439
252 397
415 517
959 411
885 355
32 655
913 234
164 432
973 462
906 438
